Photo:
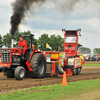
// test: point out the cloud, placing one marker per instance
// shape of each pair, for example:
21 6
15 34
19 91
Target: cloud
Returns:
92 40
51 18
5 13
4 27
5 3
39 32
24 28
94 23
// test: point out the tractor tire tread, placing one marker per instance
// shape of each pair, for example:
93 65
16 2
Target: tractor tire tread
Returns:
34 63
17 72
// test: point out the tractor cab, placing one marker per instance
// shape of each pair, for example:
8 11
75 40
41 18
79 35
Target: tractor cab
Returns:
71 44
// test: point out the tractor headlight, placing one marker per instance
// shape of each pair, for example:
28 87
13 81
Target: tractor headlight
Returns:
2 50
5 50
9 50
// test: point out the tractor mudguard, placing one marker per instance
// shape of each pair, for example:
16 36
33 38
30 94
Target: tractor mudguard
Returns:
28 58
29 65
31 53
28 55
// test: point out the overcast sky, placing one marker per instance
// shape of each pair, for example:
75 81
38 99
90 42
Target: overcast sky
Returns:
51 17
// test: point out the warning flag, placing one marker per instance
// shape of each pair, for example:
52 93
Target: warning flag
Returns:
47 46
59 48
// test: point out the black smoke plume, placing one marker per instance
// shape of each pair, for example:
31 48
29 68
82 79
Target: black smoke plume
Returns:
20 8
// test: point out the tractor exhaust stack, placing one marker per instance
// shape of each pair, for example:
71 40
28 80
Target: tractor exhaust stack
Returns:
12 41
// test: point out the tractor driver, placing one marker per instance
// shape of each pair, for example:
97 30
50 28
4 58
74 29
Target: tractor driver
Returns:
22 43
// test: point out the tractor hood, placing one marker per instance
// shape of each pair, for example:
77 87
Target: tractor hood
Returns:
11 50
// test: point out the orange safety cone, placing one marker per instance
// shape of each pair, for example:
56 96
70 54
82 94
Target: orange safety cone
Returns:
64 81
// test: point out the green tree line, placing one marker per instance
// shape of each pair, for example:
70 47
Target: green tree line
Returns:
96 51
85 50
55 42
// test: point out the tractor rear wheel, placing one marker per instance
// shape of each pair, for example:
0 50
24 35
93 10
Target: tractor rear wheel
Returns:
19 73
9 74
38 64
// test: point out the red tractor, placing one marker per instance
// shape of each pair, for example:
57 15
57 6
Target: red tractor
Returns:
13 65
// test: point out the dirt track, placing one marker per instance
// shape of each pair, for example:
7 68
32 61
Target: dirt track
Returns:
12 84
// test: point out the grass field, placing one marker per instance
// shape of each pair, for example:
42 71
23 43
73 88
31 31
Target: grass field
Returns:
57 92
89 64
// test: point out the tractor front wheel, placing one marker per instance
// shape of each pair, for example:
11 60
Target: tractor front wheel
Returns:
38 64
19 73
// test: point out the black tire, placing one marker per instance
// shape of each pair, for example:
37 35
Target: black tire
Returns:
38 64
9 74
78 71
19 73
74 71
